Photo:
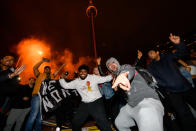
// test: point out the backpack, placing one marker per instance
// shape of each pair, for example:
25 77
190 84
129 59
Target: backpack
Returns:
150 80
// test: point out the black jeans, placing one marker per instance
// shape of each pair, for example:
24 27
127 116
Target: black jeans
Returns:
64 112
112 107
179 103
94 109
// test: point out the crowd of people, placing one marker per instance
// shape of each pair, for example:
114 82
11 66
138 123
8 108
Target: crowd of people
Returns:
120 99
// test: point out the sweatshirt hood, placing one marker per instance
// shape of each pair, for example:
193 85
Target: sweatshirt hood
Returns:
113 60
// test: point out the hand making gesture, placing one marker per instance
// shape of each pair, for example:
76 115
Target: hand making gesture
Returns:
122 81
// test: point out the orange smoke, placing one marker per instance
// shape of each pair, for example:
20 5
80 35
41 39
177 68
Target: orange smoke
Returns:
67 58
30 52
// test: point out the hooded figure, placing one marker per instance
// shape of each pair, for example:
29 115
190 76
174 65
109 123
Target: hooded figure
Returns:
143 105
115 68
115 61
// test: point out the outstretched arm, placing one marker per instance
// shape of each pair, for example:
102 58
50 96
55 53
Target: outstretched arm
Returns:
35 68
122 81
102 79
68 85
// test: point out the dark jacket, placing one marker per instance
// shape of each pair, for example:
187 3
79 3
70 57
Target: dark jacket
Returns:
166 71
18 102
8 87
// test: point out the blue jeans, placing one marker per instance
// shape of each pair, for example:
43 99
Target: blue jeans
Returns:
107 90
35 115
187 75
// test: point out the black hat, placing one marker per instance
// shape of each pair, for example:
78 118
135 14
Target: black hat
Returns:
85 67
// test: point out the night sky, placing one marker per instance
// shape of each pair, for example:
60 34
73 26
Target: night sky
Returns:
122 26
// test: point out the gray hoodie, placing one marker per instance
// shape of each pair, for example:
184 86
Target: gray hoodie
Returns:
139 88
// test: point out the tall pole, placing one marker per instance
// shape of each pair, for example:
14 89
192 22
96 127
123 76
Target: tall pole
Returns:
91 12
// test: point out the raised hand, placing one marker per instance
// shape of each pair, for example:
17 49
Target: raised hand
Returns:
174 39
139 54
99 61
17 71
122 81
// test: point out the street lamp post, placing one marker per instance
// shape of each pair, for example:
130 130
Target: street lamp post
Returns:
91 12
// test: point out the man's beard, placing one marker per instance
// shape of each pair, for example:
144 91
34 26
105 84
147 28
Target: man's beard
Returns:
115 72
83 78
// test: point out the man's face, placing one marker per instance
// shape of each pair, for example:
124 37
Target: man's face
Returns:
96 71
8 61
153 54
47 70
83 74
113 66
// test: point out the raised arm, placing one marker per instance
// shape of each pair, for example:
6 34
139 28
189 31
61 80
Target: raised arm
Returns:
99 67
139 56
35 68
17 71
122 81
6 76
180 47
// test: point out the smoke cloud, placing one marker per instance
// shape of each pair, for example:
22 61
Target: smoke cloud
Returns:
32 50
